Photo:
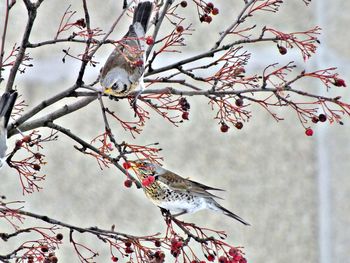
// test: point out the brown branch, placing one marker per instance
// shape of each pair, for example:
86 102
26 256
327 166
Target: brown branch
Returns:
239 20
207 54
40 122
32 11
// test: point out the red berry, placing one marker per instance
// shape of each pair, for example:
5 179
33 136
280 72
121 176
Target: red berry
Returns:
53 259
239 125
309 132
179 29
215 11
339 82
26 139
128 183
322 117
185 115
128 244
138 63
114 259
208 19
19 144
128 250
282 50
239 102
223 259
183 4
210 5
211 257
126 165
38 156
242 260
149 40
147 181
233 251
315 119
59 236
224 127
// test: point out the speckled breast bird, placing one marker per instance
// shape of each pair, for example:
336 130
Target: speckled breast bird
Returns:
124 68
179 195
7 103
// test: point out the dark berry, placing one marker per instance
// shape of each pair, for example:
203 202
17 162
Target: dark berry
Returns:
44 249
239 102
179 29
157 243
282 50
59 236
224 127
128 183
185 115
114 259
315 119
239 125
322 117
128 244
210 5
183 4
36 167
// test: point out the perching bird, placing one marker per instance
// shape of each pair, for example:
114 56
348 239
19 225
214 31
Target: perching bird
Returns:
7 103
177 194
124 68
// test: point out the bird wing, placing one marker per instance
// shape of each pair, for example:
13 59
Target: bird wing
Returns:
178 183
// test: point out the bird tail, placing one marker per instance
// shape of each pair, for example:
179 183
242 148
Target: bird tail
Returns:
7 103
143 13
229 213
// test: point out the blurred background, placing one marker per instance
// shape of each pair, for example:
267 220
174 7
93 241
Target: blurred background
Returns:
293 189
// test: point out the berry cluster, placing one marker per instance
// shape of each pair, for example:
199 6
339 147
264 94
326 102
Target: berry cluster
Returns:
176 245
185 106
209 10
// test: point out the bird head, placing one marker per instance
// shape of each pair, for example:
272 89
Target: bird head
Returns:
148 168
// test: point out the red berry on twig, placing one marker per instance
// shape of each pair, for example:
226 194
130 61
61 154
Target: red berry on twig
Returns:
309 132
149 40
185 115
128 183
215 11
282 50
239 125
339 82
114 259
126 165
179 29
224 127
315 119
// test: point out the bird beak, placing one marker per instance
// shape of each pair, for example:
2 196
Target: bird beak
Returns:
108 91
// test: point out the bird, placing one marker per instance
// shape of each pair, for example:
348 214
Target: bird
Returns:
7 103
176 194
123 70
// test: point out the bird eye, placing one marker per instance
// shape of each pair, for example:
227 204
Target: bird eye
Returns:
115 86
